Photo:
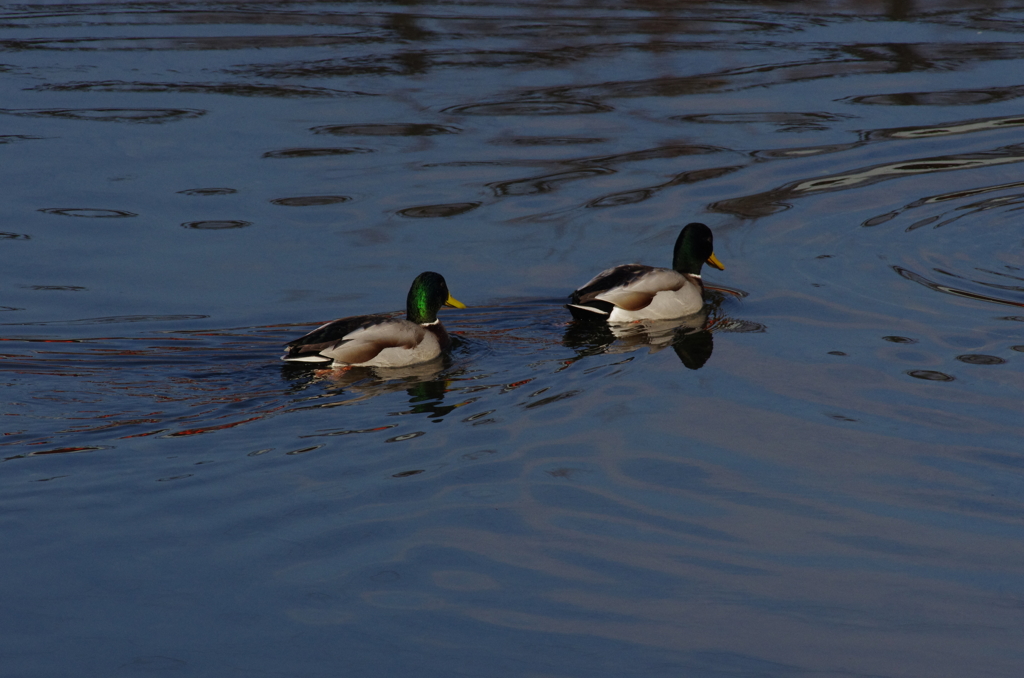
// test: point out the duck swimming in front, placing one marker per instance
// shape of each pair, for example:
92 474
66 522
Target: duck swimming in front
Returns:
381 340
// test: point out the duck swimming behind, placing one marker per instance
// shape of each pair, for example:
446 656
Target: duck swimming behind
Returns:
632 292
380 340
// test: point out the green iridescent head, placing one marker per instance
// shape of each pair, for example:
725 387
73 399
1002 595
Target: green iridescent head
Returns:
429 292
694 248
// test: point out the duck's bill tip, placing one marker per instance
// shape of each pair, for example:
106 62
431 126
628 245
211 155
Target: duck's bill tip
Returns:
454 303
713 260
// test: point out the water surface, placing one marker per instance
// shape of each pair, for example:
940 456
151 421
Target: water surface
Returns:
821 476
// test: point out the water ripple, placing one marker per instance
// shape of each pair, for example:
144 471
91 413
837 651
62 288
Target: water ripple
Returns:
114 320
545 183
230 88
208 191
132 115
434 211
88 212
960 97
386 130
955 291
216 225
777 200
948 129
529 107
784 122
315 152
310 200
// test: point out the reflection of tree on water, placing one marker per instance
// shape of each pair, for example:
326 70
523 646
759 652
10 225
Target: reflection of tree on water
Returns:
690 337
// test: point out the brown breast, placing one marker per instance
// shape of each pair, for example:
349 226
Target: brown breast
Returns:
442 335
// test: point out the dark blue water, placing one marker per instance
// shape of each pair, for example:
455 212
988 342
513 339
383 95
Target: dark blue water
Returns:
823 476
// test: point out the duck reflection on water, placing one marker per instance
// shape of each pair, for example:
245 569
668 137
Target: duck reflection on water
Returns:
688 337
426 392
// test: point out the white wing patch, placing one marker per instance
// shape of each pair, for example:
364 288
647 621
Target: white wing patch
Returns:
589 308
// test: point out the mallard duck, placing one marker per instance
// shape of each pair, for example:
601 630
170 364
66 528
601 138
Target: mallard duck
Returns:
632 292
381 340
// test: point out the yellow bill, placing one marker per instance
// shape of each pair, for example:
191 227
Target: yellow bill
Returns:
713 260
455 303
